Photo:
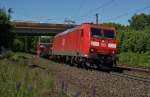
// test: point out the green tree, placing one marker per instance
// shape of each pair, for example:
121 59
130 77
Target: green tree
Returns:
6 37
139 21
18 45
147 39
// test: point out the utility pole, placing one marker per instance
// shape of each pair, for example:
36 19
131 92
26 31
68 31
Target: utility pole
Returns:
26 43
96 18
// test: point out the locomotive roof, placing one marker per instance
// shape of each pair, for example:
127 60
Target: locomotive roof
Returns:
67 31
78 27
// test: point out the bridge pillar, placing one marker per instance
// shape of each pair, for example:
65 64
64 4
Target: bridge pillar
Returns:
39 39
25 43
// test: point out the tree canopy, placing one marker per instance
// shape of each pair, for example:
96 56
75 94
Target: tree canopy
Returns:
6 37
140 21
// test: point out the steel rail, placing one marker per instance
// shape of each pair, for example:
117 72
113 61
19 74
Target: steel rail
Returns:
134 69
131 77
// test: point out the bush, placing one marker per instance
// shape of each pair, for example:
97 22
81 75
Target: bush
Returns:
6 37
7 54
18 80
18 45
134 59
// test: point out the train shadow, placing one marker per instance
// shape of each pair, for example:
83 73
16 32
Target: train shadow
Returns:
106 69
98 67
33 66
102 68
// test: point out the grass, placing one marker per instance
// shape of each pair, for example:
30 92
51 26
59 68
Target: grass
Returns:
134 59
17 79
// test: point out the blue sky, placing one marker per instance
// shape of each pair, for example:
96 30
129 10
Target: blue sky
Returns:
81 11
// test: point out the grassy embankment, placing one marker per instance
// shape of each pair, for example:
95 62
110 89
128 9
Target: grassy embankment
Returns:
17 79
135 59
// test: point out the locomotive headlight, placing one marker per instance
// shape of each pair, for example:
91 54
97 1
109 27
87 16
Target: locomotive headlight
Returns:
95 43
112 45
92 50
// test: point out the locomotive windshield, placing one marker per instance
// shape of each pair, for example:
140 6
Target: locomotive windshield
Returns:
98 33
109 34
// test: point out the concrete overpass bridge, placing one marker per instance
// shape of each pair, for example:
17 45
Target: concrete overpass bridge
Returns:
39 29
26 30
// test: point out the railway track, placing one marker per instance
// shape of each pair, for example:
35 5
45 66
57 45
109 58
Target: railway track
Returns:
116 71
119 71
134 69
131 77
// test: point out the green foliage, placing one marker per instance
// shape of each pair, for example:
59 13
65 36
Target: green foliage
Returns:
18 45
132 40
46 39
6 37
139 21
62 94
134 59
32 44
147 38
7 54
18 80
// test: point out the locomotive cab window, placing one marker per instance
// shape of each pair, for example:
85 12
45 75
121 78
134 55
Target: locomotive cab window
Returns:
96 33
101 33
109 34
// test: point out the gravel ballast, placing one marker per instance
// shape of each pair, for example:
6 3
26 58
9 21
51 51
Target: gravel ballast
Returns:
77 82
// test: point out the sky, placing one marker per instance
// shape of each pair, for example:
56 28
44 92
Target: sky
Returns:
80 11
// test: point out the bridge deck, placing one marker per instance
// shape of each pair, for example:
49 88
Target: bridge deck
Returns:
38 29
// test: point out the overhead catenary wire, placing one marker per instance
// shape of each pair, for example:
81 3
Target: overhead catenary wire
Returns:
93 10
128 12
104 5
81 5
90 11
70 19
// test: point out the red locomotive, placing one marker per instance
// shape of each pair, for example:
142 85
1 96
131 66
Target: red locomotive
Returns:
86 43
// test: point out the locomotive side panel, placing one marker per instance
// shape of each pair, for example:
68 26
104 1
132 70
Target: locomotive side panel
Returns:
66 44
70 44
79 42
58 45
85 37
55 46
74 43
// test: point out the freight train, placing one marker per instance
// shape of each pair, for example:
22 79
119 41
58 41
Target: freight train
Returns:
86 44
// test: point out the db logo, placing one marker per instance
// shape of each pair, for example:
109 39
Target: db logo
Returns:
103 44
63 42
